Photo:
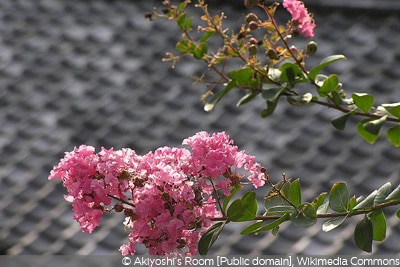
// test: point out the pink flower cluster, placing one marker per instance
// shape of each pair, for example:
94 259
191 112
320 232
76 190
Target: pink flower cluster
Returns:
300 16
165 195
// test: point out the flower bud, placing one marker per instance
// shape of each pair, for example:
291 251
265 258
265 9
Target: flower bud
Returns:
118 207
253 49
272 54
253 40
251 17
312 47
253 25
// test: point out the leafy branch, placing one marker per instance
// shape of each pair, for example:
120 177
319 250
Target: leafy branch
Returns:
284 203
272 68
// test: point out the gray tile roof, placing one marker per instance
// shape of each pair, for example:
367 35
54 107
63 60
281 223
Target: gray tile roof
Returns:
74 72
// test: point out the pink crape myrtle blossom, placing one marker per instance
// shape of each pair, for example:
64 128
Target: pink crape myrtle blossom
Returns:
216 156
167 196
300 16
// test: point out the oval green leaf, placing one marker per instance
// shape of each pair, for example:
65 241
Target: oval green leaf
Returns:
339 197
363 101
363 234
208 239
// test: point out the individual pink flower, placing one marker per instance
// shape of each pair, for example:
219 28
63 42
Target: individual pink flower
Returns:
300 16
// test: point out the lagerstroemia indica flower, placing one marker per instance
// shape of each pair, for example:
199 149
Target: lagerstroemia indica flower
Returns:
300 16
167 196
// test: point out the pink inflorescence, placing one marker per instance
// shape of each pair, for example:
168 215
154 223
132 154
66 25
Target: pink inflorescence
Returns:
165 195
300 16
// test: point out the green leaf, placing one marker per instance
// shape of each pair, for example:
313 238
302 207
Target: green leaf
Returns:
325 62
340 122
339 197
367 135
382 193
208 239
352 203
289 73
331 224
295 193
337 98
206 36
244 209
252 228
280 209
398 214
247 98
300 100
210 104
393 109
378 221
331 84
184 22
200 51
270 226
367 202
363 234
305 215
393 135
374 126
275 231
243 77
394 195
363 101
185 46
231 195
270 108
272 94
319 201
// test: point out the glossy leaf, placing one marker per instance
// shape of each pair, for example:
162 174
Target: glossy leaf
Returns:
374 126
208 239
270 226
280 209
305 215
367 135
382 193
367 202
379 225
363 234
339 197
394 195
340 122
325 62
300 100
247 98
330 84
393 135
290 73
331 224
271 105
363 101
272 94
214 99
252 228
243 209
393 109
